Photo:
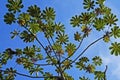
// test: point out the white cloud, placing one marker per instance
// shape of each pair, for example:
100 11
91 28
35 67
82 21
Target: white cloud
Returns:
113 63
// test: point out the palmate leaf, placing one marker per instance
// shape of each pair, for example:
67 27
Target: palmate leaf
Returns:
9 18
90 68
77 36
62 38
34 11
34 27
14 5
83 78
100 2
115 48
97 60
86 17
88 4
99 24
48 14
106 38
27 37
23 19
75 21
110 19
99 75
59 27
70 48
58 48
115 31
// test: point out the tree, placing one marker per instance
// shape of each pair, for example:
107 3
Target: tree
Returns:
58 52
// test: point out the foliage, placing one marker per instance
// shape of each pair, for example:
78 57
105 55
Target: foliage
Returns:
56 50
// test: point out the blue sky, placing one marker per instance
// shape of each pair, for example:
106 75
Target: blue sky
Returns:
65 9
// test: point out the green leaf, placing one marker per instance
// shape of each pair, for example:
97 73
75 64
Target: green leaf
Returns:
100 2
97 60
83 78
14 5
86 17
99 75
115 31
115 49
59 28
75 21
90 68
110 19
58 48
27 37
106 38
49 14
34 11
62 38
23 19
9 18
70 48
88 4
34 27
99 24
14 34
77 36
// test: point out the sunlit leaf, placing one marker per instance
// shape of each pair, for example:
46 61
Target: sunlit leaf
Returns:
62 38
75 21
88 4
70 48
115 31
99 24
115 49
49 14
77 36
110 19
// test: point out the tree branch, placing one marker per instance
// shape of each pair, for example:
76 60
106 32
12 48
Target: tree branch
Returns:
74 51
84 51
21 74
105 72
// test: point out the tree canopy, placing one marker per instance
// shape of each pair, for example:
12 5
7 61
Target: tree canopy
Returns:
59 52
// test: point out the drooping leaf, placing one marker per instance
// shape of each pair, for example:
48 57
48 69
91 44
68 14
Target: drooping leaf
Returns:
115 48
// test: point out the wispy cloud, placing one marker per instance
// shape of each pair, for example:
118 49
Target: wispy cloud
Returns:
113 63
